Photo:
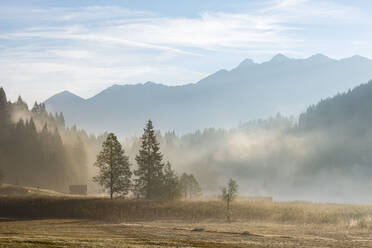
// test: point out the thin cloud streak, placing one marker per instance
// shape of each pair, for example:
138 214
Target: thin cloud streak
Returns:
108 44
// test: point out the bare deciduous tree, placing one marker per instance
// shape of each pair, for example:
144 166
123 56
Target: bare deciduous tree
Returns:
229 194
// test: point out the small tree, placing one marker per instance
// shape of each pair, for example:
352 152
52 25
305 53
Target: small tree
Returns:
184 184
172 190
150 176
114 172
195 189
189 186
229 194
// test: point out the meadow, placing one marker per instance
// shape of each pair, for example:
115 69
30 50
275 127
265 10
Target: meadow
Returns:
119 210
60 220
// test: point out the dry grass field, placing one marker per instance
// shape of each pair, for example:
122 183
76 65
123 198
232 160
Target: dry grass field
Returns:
89 233
35 220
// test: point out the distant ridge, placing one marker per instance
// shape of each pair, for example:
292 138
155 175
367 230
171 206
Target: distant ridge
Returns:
222 99
67 94
279 58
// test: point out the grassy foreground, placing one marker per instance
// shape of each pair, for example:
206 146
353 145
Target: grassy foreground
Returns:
61 221
52 233
120 210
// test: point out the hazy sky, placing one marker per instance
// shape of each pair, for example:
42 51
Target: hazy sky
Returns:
86 46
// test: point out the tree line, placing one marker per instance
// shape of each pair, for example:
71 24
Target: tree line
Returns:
154 179
37 149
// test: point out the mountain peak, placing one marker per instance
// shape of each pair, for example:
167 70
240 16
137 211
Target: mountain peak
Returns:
320 58
246 62
357 58
150 83
67 92
319 55
279 58
65 95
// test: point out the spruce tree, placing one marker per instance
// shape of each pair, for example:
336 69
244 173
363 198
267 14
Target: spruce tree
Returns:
149 181
114 174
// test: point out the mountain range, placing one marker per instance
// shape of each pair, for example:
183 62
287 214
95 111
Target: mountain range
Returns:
223 99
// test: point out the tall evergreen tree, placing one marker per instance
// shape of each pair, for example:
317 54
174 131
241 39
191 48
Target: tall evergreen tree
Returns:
114 174
149 181
20 105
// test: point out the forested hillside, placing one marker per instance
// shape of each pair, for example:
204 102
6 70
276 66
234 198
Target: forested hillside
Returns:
325 155
350 110
37 149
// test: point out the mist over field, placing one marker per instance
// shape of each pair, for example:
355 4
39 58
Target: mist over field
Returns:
319 154
322 155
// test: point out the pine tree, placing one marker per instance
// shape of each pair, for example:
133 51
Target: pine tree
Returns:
20 105
149 182
115 174
4 122
4 109
31 126
60 119
172 188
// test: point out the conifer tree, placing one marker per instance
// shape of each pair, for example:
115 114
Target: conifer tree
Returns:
114 172
20 105
34 156
149 181
4 119
4 110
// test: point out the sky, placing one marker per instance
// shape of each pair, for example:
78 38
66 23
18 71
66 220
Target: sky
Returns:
86 46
